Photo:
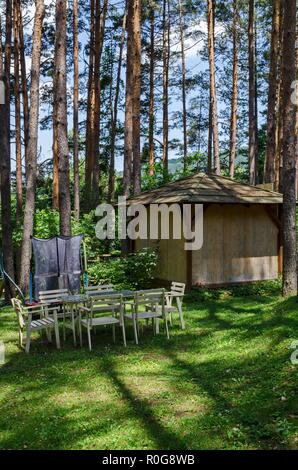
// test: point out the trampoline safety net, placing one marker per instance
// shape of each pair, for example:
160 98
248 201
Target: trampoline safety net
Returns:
57 263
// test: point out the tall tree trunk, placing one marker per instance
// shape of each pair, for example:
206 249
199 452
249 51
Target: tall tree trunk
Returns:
183 73
288 150
210 18
100 20
76 180
18 144
296 102
32 146
89 160
136 97
5 170
269 170
252 96
233 119
256 101
278 179
166 15
55 157
61 110
55 148
210 139
55 152
24 81
115 115
128 127
151 95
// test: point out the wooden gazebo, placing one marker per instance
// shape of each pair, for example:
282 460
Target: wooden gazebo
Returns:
242 240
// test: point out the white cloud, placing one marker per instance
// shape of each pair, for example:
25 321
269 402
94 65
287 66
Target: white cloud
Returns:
194 38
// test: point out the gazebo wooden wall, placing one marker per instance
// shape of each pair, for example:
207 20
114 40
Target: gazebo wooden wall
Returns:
241 244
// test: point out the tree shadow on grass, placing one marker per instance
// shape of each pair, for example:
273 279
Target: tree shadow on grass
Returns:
249 322
163 438
47 423
245 396
216 309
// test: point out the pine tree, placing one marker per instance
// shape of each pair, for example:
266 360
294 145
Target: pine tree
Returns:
32 146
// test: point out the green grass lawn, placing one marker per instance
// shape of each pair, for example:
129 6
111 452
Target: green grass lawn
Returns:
226 382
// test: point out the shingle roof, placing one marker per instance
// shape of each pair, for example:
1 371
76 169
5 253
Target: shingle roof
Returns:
201 188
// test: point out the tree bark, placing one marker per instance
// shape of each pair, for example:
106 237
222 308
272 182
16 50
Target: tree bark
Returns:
76 178
165 99
61 110
252 96
210 139
213 98
55 157
115 115
5 169
269 170
32 146
278 179
288 150
183 76
128 127
24 81
18 142
296 102
89 165
136 97
233 119
100 20
151 94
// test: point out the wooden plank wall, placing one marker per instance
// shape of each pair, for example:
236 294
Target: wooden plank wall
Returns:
240 245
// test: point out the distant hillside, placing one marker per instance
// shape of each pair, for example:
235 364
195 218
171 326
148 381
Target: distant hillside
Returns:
175 164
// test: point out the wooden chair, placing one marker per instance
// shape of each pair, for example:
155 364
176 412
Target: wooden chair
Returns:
152 302
45 322
98 291
176 295
109 304
67 311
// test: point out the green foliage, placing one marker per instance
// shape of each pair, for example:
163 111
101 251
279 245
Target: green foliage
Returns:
140 267
134 271
46 224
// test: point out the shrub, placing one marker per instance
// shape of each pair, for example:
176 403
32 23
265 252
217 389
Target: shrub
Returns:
140 267
134 271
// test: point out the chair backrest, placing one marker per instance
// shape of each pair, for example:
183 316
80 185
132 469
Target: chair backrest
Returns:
93 290
18 307
49 296
150 297
106 303
178 288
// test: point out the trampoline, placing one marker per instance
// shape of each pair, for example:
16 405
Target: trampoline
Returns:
58 264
